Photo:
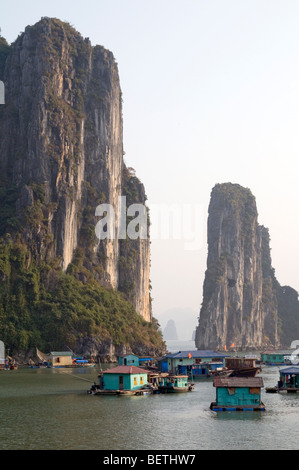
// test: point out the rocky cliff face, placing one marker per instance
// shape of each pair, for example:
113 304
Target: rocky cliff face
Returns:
62 147
239 298
61 155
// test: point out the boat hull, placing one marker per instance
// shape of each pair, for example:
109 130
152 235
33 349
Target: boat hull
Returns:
128 393
250 372
112 392
288 390
176 389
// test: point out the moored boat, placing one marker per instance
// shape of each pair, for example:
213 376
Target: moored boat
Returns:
241 367
245 372
288 381
175 384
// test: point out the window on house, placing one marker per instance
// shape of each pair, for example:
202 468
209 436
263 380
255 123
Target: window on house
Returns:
135 380
141 380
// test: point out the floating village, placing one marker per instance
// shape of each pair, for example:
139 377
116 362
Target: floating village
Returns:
237 381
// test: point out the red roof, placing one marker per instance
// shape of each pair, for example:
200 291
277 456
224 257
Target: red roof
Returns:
126 370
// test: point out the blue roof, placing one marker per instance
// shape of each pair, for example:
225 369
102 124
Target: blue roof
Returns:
290 370
196 354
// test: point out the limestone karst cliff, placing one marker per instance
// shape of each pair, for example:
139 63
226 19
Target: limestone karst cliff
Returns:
243 302
61 155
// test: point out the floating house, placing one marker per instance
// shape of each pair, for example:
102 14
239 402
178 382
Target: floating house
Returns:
288 380
238 394
128 360
205 370
60 359
133 360
276 358
190 358
121 380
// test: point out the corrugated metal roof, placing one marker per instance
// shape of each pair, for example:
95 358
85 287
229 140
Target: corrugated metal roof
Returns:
62 353
290 370
284 352
197 354
238 382
126 370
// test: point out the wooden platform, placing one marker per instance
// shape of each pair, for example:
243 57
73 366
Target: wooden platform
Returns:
215 407
288 390
129 393
113 392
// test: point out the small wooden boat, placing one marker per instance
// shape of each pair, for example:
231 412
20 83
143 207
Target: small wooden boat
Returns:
175 384
145 391
97 391
288 381
128 393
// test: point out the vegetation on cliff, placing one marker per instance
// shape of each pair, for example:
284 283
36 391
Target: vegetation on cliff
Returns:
42 306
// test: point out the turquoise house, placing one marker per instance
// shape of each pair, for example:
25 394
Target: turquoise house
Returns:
238 394
276 358
128 360
123 379
288 380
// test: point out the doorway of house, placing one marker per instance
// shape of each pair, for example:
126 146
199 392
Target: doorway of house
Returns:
121 382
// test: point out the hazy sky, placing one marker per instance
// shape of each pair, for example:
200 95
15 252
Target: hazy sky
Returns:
211 95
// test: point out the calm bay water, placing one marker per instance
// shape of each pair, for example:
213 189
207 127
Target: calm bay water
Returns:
44 409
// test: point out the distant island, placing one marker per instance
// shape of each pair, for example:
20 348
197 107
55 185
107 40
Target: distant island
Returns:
170 332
